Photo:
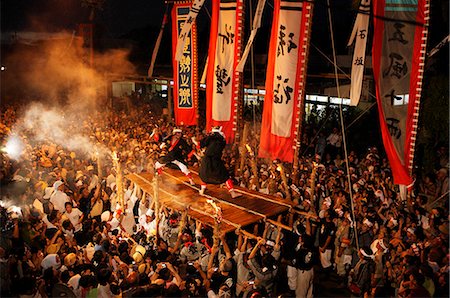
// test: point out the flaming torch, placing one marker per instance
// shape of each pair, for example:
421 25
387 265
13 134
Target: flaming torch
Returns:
280 169
217 220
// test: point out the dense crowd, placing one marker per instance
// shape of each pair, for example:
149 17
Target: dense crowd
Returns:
64 230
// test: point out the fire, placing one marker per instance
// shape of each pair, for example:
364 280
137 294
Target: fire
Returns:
216 208
249 149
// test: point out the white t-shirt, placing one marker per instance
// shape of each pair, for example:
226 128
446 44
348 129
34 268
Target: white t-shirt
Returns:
114 223
59 199
74 218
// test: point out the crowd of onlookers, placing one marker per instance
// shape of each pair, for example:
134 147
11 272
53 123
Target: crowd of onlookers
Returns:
64 231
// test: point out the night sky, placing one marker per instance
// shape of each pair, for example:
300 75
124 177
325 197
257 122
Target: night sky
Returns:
139 20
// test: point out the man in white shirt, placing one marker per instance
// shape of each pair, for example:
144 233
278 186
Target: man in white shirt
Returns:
74 215
59 198
148 222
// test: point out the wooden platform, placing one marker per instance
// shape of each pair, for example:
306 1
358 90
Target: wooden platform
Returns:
175 192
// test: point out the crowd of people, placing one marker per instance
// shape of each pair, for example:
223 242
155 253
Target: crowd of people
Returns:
63 228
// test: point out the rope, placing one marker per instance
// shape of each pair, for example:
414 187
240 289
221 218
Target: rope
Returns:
342 126
257 196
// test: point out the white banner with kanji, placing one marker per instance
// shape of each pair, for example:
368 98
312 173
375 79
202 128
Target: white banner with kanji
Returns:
223 82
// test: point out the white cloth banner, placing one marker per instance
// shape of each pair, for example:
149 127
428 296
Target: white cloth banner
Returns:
255 27
223 68
187 25
284 81
359 55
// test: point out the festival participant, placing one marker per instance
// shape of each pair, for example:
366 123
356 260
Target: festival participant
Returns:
59 198
212 167
301 274
177 150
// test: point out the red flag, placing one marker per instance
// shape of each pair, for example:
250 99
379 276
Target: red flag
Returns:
285 79
399 47
223 81
185 72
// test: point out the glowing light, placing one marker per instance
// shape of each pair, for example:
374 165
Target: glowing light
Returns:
279 169
14 147
3 68
249 149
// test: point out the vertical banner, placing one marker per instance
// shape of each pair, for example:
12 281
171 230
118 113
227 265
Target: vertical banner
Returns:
399 49
360 32
285 79
223 82
185 72
186 27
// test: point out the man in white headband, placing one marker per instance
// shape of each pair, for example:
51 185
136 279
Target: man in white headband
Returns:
212 168
363 271
178 148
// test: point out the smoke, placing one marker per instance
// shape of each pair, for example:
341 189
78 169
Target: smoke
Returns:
56 71
69 92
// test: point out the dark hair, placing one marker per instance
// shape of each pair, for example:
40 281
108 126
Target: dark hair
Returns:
104 275
418 277
164 273
88 281
66 224
68 203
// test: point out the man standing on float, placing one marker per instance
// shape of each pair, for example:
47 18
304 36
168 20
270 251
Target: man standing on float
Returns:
177 149
212 168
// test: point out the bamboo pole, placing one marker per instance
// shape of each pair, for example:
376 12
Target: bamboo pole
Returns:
156 200
254 166
312 181
183 221
242 152
280 168
119 179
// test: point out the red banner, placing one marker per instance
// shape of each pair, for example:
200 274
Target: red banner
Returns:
185 71
223 82
285 79
399 47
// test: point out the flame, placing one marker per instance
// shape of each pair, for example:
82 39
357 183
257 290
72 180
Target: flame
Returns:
249 149
217 209
279 169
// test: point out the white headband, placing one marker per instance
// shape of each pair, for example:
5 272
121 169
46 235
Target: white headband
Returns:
364 254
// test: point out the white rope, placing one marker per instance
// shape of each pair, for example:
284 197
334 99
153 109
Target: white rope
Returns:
342 126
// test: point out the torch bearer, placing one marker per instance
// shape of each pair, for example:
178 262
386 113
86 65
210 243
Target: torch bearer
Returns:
119 179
